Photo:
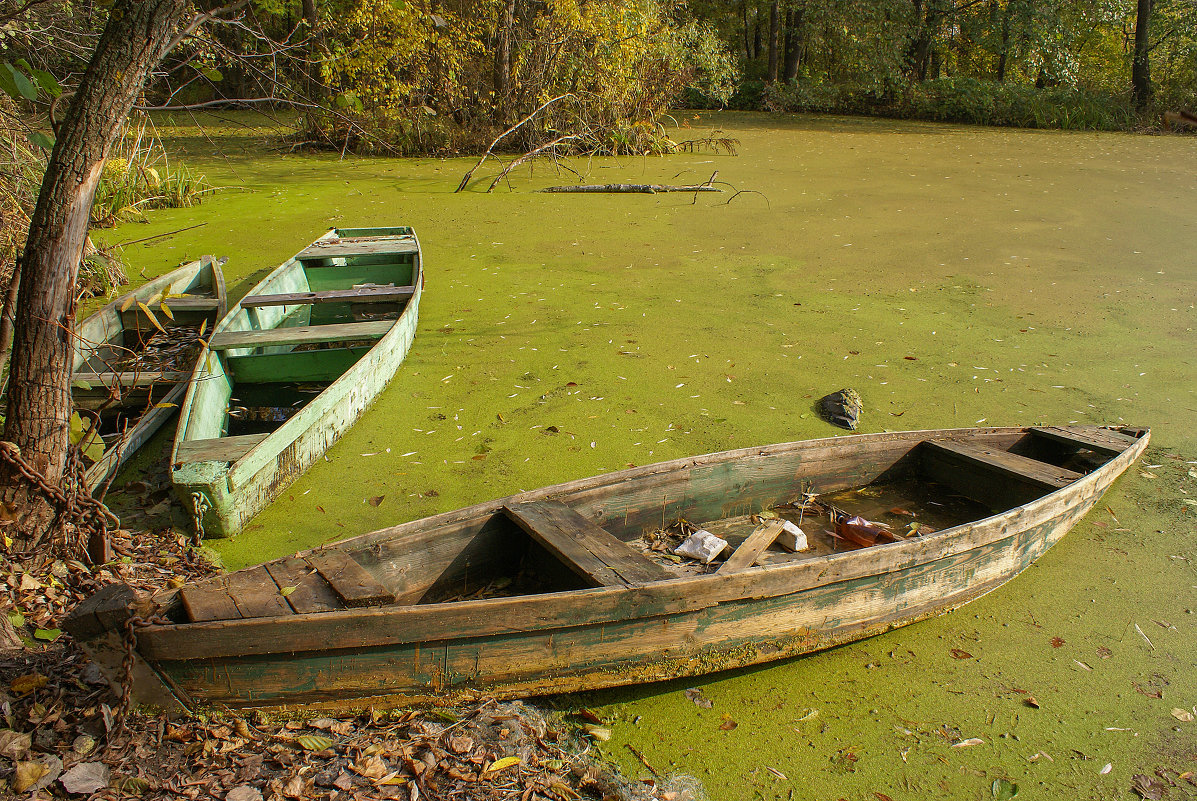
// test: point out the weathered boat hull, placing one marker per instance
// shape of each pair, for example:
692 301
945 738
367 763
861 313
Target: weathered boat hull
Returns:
413 653
124 318
225 492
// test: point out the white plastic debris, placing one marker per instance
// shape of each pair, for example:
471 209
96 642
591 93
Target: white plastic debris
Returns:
791 537
702 545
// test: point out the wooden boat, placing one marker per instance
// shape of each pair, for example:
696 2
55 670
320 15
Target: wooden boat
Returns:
134 356
560 589
291 368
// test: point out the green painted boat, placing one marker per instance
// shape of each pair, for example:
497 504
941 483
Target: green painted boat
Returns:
569 588
291 368
134 356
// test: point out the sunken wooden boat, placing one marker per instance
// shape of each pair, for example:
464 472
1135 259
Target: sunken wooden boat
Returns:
560 589
291 368
134 356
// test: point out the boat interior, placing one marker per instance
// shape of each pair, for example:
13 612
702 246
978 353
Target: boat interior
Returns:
310 321
135 351
622 532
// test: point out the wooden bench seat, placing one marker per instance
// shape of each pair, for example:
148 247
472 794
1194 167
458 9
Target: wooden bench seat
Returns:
1010 464
587 549
1099 440
300 335
367 294
321 581
362 246
217 449
127 379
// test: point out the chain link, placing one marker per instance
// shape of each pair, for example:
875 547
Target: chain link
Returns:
74 506
199 505
134 623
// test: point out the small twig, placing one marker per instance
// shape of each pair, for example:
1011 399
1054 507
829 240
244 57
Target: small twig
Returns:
158 236
643 761
1144 636
644 189
742 191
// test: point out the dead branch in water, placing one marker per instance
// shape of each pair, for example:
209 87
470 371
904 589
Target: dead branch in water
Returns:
716 143
644 189
465 179
531 154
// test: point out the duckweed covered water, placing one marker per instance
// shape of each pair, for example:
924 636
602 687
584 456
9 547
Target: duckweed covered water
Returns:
953 276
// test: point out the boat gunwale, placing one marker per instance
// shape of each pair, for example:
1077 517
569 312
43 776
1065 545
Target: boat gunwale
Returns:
610 604
282 437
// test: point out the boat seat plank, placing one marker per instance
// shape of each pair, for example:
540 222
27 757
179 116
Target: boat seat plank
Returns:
752 547
353 583
217 449
188 303
256 594
128 378
208 601
365 294
309 592
364 246
300 335
587 549
1011 464
1100 440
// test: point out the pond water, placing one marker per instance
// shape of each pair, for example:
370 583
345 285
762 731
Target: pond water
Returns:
953 276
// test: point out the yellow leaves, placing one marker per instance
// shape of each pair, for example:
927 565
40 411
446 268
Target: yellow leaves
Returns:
23 685
501 764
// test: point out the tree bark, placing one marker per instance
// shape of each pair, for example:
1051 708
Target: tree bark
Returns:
1003 57
37 419
502 76
774 38
793 44
1141 89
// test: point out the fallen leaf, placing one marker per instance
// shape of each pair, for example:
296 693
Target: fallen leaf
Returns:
1057 642
243 792
23 685
958 654
85 778
460 743
1082 664
589 717
26 775
1106 769
1183 715
694 694
597 732
728 724
313 742
776 773
968 742
1147 787
1104 653
1031 701
14 744
285 591
371 767
294 788
376 500
1003 789
501 764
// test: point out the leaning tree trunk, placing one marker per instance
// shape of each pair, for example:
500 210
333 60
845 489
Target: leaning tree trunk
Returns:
37 419
1141 88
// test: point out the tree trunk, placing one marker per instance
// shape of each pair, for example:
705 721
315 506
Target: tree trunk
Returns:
748 54
793 45
774 38
37 418
1141 88
1003 57
502 76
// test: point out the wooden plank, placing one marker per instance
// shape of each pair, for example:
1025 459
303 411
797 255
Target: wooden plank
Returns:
994 459
219 449
367 294
187 303
363 246
752 547
256 594
356 586
1100 440
146 378
300 335
327 364
587 549
310 593
209 601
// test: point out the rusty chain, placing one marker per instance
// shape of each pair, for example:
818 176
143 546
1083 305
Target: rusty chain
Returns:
199 506
74 506
134 623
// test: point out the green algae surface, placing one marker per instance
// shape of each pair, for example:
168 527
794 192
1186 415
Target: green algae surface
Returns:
953 276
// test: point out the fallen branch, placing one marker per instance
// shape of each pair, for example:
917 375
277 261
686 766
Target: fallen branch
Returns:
465 179
644 189
529 155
